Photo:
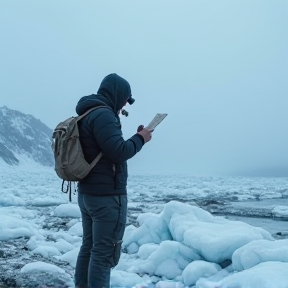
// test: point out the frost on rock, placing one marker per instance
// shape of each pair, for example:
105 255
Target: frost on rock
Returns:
67 210
40 273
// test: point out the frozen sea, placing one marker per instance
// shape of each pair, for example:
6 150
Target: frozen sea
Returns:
182 231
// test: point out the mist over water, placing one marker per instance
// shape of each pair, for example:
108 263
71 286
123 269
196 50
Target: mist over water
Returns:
218 68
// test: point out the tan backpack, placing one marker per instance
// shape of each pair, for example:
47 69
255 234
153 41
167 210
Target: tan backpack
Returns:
70 164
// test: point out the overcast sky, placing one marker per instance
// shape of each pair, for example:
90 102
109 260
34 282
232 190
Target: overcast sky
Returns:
218 68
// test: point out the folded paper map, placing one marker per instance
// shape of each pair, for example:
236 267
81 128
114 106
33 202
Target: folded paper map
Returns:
156 120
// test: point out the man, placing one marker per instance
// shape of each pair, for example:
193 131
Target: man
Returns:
102 194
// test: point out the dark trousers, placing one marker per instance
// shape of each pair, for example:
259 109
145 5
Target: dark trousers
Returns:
103 221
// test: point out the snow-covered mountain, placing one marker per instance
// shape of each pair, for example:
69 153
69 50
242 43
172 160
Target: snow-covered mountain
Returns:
24 135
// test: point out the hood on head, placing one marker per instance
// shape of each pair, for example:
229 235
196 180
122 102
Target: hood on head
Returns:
117 90
88 102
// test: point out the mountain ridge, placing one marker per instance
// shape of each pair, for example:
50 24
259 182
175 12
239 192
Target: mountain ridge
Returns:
23 134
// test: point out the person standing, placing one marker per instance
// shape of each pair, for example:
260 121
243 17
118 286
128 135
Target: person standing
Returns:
102 194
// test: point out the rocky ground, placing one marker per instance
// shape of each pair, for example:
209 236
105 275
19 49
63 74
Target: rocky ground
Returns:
14 254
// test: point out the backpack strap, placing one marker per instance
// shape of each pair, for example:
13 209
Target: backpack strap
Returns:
67 189
94 162
90 110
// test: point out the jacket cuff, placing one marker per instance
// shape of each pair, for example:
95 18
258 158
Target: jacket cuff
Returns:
138 137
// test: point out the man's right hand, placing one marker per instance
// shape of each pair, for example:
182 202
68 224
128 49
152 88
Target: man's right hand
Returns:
145 133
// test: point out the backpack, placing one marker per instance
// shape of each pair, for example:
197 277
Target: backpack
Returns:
70 164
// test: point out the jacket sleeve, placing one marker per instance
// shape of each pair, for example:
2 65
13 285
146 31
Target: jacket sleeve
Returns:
108 134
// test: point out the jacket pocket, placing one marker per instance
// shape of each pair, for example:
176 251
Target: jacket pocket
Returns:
121 176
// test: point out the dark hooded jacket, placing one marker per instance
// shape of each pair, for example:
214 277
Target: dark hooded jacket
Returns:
100 131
